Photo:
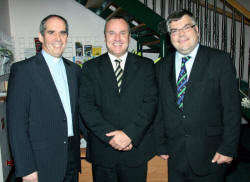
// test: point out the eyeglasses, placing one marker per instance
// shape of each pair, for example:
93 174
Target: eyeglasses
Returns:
184 29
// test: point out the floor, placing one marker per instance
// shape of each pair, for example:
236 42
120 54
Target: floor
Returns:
157 171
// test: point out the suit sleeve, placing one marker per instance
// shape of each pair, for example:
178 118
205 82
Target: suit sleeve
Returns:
146 112
18 101
89 109
159 133
230 101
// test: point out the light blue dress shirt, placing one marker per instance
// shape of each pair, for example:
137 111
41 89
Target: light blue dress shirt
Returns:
189 63
58 72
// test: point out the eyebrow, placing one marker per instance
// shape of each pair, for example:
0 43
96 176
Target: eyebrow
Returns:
182 27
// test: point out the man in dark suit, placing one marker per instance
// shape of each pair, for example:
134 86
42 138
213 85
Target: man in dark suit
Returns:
118 98
42 110
198 123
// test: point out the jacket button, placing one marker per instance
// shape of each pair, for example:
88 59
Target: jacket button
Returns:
184 116
64 142
64 119
186 135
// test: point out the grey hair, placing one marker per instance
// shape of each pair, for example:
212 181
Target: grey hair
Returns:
43 23
177 15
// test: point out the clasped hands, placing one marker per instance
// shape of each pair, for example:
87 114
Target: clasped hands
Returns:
120 141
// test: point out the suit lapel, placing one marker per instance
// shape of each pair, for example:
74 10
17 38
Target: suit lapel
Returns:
130 70
172 96
46 79
107 74
71 84
172 73
197 72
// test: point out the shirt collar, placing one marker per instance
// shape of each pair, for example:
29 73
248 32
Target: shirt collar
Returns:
113 58
192 54
50 58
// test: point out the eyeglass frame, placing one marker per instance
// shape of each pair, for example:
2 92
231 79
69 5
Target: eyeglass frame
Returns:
186 28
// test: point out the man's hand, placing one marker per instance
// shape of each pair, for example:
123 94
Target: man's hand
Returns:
119 140
165 157
129 147
33 177
220 159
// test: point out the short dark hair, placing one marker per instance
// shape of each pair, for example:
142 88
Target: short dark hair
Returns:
176 15
43 23
115 18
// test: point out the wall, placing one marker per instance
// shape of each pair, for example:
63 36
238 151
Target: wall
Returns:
5 39
84 25
4 17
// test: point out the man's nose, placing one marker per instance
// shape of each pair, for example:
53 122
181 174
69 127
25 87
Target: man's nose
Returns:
117 37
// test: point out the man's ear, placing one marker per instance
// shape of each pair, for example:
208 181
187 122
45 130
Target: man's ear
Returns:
197 29
40 36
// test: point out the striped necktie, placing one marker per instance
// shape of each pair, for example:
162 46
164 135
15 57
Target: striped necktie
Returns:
181 83
118 73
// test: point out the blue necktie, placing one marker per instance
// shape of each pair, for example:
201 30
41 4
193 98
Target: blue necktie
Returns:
182 82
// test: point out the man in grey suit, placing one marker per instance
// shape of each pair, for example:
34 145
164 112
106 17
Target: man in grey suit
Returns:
42 110
198 125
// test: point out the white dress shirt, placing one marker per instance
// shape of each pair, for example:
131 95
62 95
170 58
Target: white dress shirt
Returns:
122 64
189 63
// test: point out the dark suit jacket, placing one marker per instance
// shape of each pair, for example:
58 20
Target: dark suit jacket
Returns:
37 124
105 110
210 121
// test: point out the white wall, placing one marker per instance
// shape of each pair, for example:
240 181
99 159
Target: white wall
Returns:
84 25
4 17
5 39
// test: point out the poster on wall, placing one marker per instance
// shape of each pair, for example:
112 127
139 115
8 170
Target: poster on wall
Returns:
96 51
86 53
38 45
79 50
87 50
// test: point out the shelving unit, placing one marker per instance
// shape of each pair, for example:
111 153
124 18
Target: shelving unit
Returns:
5 157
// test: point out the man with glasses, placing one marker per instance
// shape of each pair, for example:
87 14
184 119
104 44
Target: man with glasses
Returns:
198 122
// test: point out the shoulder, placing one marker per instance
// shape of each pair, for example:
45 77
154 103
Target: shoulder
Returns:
24 64
141 59
92 65
213 53
216 59
74 65
95 61
169 59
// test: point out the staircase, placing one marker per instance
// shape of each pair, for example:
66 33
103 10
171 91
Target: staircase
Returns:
147 22
147 27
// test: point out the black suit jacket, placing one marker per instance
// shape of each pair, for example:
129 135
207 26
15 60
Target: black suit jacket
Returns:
37 124
210 121
105 110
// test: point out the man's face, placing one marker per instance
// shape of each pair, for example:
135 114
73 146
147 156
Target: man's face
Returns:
117 37
55 37
184 40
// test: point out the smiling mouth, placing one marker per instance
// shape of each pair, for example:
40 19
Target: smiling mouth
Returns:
57 45
116 44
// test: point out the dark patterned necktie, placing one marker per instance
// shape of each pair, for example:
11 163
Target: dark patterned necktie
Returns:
181 83
118 73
